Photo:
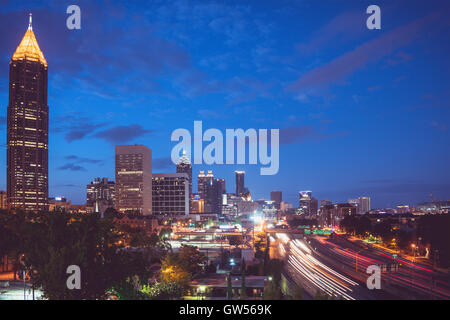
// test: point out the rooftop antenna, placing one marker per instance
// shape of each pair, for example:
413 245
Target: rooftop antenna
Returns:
30 27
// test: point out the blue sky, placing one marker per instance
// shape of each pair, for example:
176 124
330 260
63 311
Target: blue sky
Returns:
361 112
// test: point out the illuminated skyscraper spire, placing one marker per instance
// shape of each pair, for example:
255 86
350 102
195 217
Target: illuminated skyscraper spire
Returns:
28 48
27 127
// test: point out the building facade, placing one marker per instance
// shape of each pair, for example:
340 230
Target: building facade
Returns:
133 191
213 196
100 192
364 205
202 181
184 165
170 194
240 182
307 204
3 200
277 198
27 127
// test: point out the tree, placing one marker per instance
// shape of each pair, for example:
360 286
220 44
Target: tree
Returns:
52 242
243 288
272 291
297 292
163 291
191 259
165 233
433 229
173 272
229 287
274 268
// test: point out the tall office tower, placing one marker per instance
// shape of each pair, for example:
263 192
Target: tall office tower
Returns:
305 199
364 205
355 203
202 181
100 192
133 179
314 207
223 188
213 196
27 127
184 166
276 197
170 194
325 202
240 184
3 201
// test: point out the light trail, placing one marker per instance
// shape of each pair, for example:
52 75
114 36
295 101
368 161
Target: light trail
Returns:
320 275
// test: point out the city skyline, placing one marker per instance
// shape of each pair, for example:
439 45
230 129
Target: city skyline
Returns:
339 138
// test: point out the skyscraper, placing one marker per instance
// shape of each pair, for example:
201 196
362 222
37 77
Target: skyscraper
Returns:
355 203
202 180
100 192
307 204
184 166
170 194
276 197
364 205
213 196
133 179
27 127
240 184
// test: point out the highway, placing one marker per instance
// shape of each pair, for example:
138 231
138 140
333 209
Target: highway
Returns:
410 281
337 267
306 267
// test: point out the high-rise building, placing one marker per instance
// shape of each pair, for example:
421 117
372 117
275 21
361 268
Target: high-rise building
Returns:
285 206
332 214
276 197
403 209
100 192
3 201
184 166
355 203
325 202
27 127
213 196
305 202
170 194
133 179
202 181
240 183
223 186
364 205
314 207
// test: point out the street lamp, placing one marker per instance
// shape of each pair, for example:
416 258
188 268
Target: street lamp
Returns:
413 246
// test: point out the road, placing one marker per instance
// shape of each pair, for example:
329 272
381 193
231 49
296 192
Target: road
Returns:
411 281
338 267
309 270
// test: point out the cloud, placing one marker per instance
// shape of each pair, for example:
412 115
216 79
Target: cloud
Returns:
162 163
72 167
440 126
290 135
370 51
121 134
345 27
74 127
77 159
